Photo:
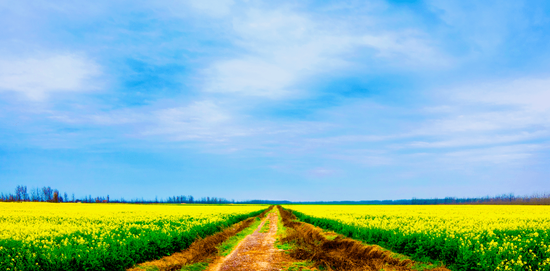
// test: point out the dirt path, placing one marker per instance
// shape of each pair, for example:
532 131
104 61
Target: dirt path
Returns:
255 252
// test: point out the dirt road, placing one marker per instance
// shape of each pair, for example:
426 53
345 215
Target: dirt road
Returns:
312 246
255 252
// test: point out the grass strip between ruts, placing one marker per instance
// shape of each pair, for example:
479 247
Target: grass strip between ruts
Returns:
266 226
226 247
195 267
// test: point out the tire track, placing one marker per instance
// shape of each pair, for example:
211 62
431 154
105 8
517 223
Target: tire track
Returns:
255 252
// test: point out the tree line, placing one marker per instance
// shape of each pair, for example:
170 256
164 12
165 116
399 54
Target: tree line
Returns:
48 194
505 199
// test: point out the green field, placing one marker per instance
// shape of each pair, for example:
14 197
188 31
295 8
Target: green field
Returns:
70 236
464 237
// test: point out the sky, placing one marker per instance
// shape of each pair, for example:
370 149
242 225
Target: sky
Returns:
281 100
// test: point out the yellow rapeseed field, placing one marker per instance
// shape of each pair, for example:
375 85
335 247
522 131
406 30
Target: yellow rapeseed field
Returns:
72 236
465 237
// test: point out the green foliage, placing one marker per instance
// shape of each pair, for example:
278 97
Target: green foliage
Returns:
149 268
452 252
297 266
281 230
195 267
265 227
284 246
123 248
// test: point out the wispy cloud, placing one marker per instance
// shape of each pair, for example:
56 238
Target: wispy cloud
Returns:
182 9
412 48
526 94
483 25
283 48
495 155
201 120
39 77
480 140
321 172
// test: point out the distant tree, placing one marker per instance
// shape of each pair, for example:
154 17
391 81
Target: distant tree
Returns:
55 197
47 194
35 194
21 193
17 193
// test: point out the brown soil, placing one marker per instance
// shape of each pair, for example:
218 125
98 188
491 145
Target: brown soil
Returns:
200 250
341 253
255 252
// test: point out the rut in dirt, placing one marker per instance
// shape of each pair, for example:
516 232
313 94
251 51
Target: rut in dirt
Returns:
255 252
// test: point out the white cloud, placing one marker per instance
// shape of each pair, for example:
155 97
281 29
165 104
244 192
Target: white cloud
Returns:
480 140
483 24
484 121
493 122
38 77
501 107
409 47
202 120
283 48
367 158
279 26
530 94
494 155
212 7
321 172
183 9
342 139
253 77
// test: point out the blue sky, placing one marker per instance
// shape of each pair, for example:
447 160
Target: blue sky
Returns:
316 100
